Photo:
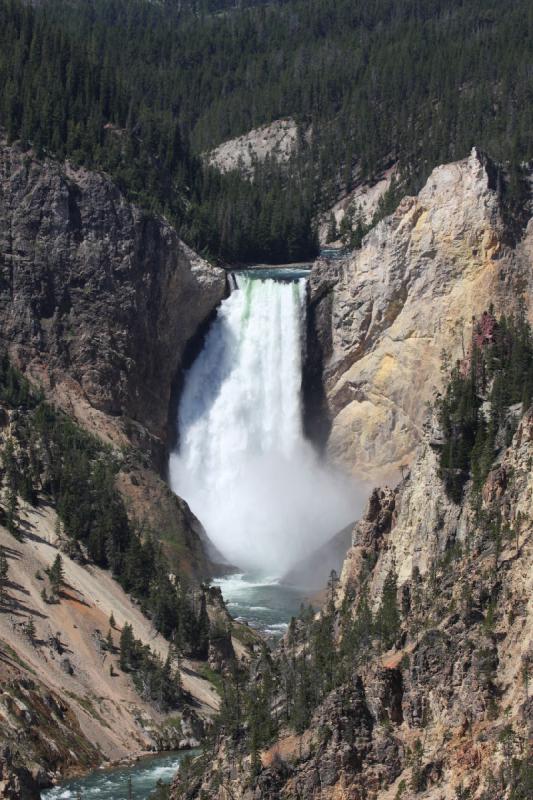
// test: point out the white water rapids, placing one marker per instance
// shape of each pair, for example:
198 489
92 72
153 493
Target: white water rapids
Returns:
243 464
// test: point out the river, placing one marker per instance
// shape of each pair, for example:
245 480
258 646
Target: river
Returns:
266 604
114 784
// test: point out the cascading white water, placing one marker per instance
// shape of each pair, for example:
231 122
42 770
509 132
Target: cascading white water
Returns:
243 463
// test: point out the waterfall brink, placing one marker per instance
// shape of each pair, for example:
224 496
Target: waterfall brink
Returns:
243 464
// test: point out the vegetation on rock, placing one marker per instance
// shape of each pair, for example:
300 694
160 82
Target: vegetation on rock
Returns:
475 410
47 455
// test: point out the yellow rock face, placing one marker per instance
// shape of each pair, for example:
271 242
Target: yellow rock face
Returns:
408 295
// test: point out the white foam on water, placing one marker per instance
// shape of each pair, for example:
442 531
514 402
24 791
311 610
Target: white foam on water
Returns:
113 785
243 464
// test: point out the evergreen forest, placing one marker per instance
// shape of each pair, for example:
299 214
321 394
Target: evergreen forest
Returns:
142 89
483 399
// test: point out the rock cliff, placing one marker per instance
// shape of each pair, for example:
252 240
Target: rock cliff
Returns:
445 713
380 318
98 302
98 299
360 204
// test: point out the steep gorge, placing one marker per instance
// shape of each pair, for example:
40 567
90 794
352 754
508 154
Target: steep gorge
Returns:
98 303
440 708
443 710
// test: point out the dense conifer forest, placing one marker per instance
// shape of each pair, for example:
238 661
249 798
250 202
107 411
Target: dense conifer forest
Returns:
142 89
476 410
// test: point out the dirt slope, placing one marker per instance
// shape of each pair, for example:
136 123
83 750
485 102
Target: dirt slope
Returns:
110 712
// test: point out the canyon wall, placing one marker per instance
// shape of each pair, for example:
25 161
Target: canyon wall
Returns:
381 317
66 706
98 299
98 302
446 713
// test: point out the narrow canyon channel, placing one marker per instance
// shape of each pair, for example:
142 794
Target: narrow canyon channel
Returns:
266 604
265 498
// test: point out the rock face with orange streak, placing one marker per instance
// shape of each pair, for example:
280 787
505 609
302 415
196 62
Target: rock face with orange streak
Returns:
380 318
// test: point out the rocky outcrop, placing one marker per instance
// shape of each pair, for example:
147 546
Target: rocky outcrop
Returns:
277 141
380 318
38 728
98 299
360 205
156 508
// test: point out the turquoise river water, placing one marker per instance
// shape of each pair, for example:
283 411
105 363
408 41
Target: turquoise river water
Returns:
114 784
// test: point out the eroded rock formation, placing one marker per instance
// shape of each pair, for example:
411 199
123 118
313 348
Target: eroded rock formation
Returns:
98 299
381 317
98 302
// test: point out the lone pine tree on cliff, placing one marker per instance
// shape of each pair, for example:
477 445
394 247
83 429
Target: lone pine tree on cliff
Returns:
4 569
56 575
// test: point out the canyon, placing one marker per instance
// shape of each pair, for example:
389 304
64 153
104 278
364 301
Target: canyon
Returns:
443 710
266 386
446 711
102 307
98 302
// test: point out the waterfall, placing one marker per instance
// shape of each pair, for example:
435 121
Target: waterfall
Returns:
243 464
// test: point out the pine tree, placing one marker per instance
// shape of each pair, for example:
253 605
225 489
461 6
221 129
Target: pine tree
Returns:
30 629
388 616
12 511
56 575
202 635
127 647
4 570
332 234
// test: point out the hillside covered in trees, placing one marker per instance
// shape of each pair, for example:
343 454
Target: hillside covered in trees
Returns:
142 89
45 454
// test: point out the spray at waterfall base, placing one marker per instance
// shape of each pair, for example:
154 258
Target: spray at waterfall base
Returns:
263 495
